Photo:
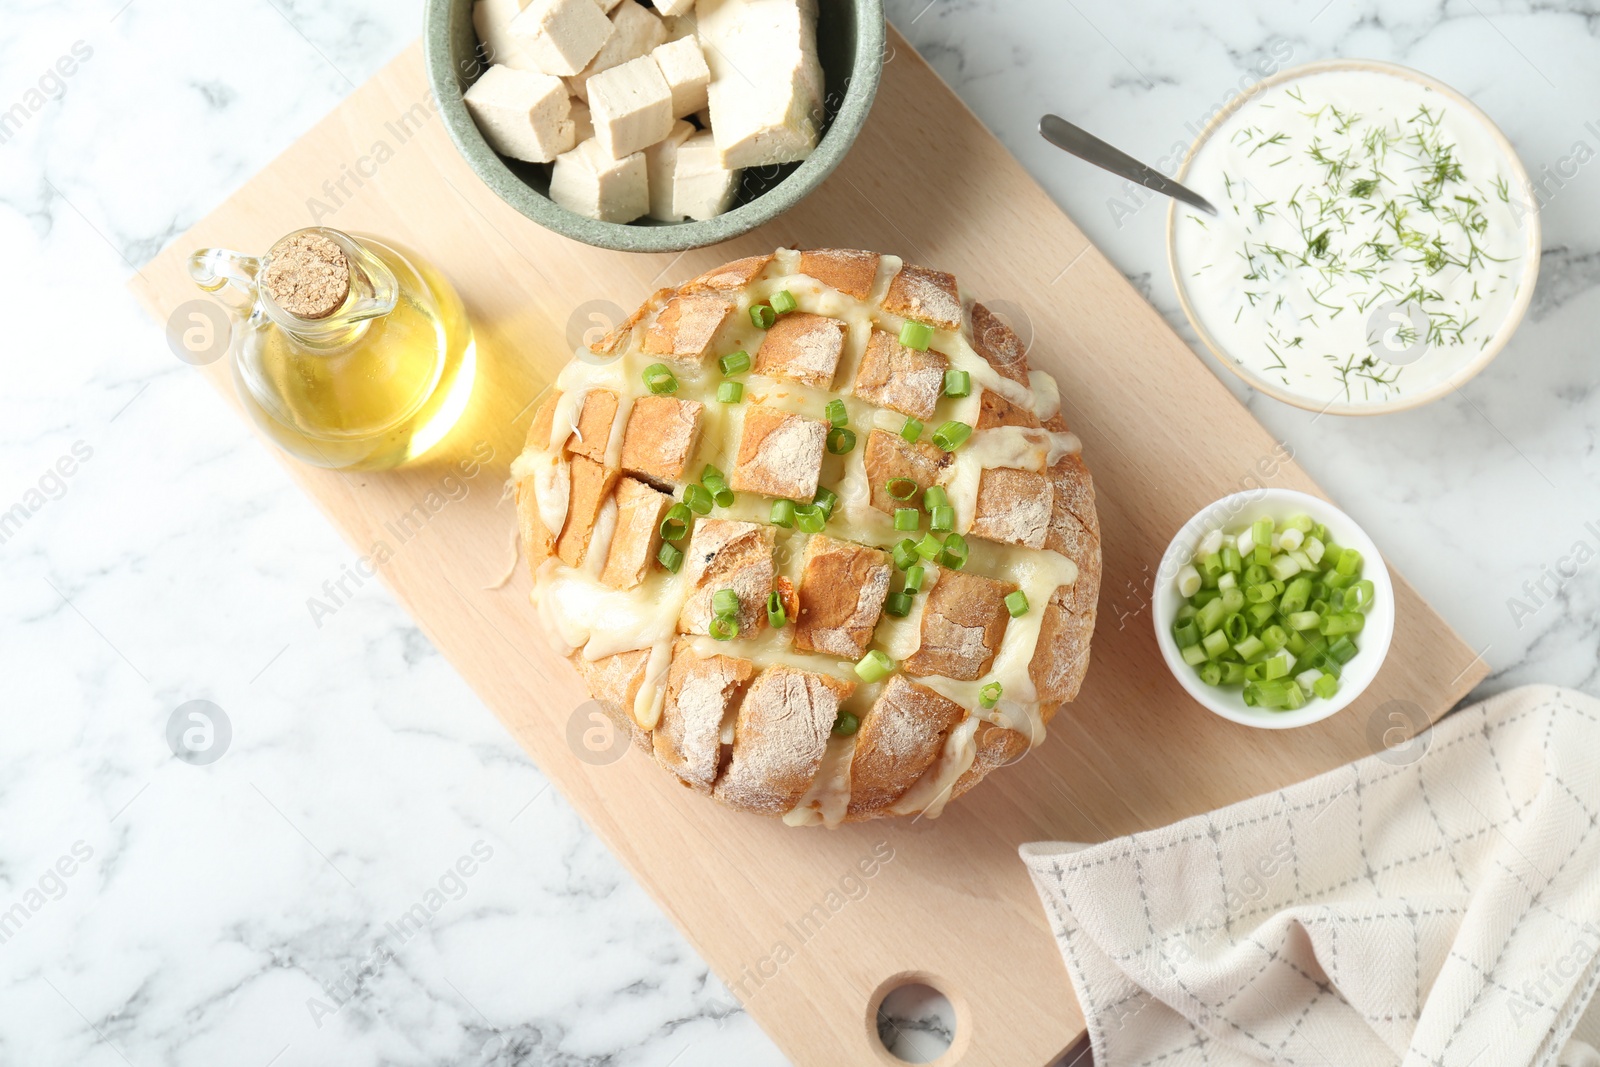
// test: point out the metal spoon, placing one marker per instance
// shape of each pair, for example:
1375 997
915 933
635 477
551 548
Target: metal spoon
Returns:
1086 146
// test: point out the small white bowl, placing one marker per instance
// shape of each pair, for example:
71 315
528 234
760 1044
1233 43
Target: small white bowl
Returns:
1235 512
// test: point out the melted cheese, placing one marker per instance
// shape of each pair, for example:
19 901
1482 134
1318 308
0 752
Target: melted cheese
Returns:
828 798
930 793
589 617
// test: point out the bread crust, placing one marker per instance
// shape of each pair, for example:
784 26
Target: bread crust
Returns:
781 715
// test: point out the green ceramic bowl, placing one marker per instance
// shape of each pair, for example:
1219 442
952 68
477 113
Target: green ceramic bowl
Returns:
850 43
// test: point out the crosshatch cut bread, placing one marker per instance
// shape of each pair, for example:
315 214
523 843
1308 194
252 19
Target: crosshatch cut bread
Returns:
716 566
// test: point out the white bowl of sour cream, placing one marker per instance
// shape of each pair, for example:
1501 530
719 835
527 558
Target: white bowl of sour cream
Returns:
1377 242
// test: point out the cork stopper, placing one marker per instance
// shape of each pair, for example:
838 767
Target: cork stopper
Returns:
308 276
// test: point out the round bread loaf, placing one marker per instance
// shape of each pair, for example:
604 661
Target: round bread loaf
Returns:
726 640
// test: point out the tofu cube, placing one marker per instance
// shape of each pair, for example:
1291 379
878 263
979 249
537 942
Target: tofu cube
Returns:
582 123
492 21
660 436
635 31
780 454
725 554
522 113
661 161
1014 507
686 327
842 590
889 456
702 188
684 66
591 484
766 84
590 182
900 378
803 348
607 5
962 626
638 533
631 106
673 8
561 35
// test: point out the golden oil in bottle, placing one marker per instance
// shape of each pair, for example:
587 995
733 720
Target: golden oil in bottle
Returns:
353 353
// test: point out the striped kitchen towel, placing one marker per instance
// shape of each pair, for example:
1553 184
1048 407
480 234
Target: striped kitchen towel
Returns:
1436 904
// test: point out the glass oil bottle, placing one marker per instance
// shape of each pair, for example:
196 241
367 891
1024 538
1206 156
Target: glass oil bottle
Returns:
350 352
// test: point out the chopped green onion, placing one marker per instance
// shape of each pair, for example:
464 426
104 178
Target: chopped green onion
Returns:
1250 648
957 383
1215 643
783 302
898 605
1261 531
900 488
841 440
1303 620
1325 686
659 380
1283 567
1186 634
943 518
775 612
1359 596
907 519
725 602
989 695
951 435
725 627
916 335
734 363
697 498
676 522
1210 673
954 555
1349 562
783 513
934 496
911 430
810 518
1194 656
763 316
929 547
1236 628
717 485
905 555
874 667
914 576
1342 651
826 499
670 558
1017 603
730 392
837 414
845 724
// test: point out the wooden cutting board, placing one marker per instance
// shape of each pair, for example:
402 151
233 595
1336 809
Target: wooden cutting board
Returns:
788 918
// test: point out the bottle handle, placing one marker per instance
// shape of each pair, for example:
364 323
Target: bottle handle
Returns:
228 275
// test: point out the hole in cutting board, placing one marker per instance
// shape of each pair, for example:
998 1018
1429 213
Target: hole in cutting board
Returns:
912 1020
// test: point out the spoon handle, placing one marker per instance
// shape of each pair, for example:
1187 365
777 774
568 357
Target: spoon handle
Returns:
1086 146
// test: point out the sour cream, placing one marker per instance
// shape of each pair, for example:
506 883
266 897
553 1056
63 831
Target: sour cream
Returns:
1373 243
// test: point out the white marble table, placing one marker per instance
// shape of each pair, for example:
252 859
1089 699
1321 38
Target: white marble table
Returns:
209 909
